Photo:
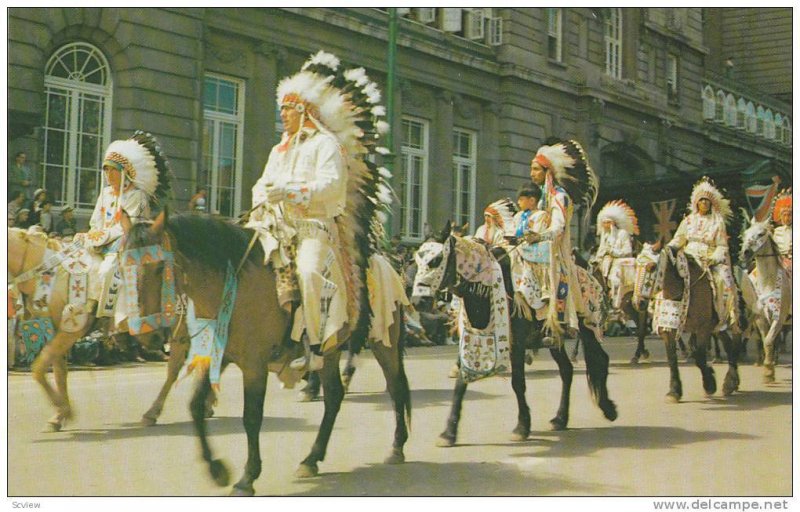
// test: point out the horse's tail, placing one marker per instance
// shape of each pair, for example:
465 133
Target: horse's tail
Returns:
596 364
401 350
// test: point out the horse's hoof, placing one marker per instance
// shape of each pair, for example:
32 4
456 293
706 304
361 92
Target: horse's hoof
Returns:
396 457
346 378
609 409
242 492
306 471
769 379
445 441
305 396
454 371
672 398
730 385
558 424
219 472
148 421
645 356
51 426
209 413
635 360
519 436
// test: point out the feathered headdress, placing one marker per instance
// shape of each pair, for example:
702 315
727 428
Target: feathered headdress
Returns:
141 162
621 214
502 211
705 189
570 168
783 201
345 104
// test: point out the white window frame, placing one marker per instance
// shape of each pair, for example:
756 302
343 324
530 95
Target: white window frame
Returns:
769 125
719 109
406 191
672 76
76 90
778 127
730 110
760 121
218 119
462 214
555 31
613 43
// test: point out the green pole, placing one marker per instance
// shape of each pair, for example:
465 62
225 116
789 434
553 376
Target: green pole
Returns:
391 64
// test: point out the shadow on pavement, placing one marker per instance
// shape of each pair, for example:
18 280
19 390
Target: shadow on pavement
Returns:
580 442
447 479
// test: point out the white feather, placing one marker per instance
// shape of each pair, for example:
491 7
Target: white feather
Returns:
382 150
382 127
386 173
379 111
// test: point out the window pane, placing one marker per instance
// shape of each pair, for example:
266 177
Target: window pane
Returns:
210 94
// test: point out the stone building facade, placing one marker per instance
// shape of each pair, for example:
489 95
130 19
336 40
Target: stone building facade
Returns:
646 90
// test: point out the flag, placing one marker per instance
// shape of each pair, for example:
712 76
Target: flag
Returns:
664 226
760 197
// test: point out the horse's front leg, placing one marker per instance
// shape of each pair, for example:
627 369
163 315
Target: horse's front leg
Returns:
197 406
640 318
701 361
520 329
448 437
333 394
597 362
177 356
675 387
255 388
731 344
54 354
565 371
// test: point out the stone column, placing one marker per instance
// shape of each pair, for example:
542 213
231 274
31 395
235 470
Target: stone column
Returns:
440 162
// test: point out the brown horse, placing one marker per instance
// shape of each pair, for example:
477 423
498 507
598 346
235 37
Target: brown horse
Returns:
204 248
26 251
701 317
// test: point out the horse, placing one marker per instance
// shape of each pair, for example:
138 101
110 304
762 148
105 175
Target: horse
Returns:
203 250
768 294
26 252
686 290
437 272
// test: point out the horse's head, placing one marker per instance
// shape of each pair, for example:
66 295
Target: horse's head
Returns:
26 249
148 265
435 261
754 239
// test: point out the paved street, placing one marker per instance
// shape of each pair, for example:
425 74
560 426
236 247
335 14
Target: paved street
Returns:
702 447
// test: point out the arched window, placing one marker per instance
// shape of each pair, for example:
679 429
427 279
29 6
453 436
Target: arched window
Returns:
760 121
750 121
77 124
719 109
769 125
730 111
708 103
741 114
787 131
778 128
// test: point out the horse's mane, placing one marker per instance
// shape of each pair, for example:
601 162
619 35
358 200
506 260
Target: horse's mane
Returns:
208 241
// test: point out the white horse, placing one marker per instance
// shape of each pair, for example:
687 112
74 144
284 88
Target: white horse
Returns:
767 291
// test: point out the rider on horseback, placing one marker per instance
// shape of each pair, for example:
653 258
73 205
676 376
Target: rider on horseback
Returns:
616 224
136 172
782 234
563 172
702 235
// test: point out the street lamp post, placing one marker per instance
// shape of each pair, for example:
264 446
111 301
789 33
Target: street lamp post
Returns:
391 64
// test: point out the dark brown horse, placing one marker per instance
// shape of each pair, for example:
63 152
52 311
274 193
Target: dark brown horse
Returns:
701 318
439 272
203 250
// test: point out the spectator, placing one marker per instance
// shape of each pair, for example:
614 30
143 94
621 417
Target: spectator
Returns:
21 220
46 216
35 206
20 176
17 199
67 226
198 202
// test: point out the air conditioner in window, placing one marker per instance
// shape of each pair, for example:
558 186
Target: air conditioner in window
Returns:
425 14
451 19
494 29
403 11
474 24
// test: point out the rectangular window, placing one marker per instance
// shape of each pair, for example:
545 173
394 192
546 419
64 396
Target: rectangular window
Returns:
221 172
464 167
554 33
672 78
613 42
413 191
